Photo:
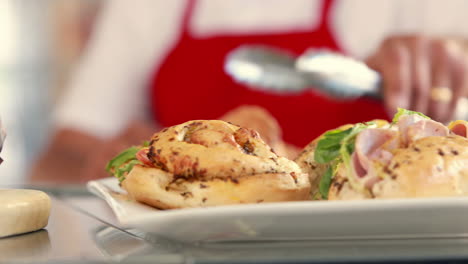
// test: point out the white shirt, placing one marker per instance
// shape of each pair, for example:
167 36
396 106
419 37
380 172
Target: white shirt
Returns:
132 37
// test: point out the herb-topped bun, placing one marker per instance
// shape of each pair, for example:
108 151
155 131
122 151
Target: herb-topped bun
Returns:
208 163
413 156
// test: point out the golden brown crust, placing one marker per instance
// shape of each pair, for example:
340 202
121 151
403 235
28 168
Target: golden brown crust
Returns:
430 167
259 119
211 148
233 161
340 189
155 187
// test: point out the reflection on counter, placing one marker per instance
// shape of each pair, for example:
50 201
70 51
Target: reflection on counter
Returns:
147 248
120 246
76 235
26 246
67 237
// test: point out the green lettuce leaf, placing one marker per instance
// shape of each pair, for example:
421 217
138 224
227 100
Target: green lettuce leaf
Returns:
122 171
325 182
402 111
335 147
328 148
123 163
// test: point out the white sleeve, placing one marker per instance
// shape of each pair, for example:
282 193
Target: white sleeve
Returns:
109 86
361 25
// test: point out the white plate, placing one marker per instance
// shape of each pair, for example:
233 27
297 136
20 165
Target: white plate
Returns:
415 218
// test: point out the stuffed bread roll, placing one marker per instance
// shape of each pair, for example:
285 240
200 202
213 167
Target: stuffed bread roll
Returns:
207 163
413 156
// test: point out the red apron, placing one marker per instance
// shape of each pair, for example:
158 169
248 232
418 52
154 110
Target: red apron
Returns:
191 84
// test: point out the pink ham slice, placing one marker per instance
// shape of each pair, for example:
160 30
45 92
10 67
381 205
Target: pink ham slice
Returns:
405 122
414 127
375 144
460 129
360 172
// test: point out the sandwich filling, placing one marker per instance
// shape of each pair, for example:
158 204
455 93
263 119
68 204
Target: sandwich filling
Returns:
363 153
123 163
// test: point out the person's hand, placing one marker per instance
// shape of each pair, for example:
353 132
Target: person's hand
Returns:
422 73
76 157
257 118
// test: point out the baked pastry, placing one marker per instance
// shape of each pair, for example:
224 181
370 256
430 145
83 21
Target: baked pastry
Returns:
413 156
208 163
259 119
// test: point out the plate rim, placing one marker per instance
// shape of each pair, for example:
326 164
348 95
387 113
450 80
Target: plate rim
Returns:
99 187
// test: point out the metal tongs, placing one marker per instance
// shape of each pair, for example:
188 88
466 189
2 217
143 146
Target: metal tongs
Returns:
2 138
334 75
275 70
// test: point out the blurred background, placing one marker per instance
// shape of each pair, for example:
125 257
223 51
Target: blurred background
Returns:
40 42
